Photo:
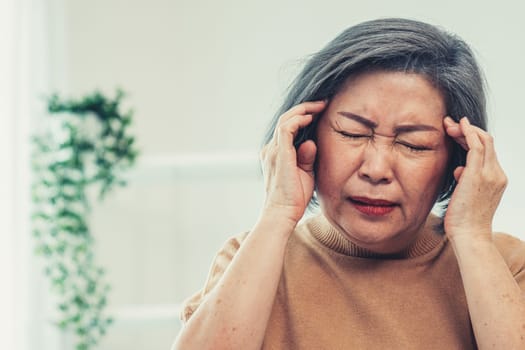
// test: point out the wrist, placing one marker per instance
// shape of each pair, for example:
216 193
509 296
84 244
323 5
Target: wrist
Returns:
277 221
477 233
470 240
281 212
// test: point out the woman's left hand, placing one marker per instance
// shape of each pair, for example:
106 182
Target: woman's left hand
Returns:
480 183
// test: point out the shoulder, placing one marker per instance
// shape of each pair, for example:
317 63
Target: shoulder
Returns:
512 249
221 261
508 244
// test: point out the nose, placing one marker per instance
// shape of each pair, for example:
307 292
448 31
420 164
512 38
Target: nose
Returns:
377 162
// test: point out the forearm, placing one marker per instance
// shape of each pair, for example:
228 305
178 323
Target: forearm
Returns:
235 314
495 301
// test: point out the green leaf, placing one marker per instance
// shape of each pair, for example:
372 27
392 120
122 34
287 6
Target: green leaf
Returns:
65 168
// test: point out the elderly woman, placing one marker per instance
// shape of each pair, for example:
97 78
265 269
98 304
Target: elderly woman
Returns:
381 125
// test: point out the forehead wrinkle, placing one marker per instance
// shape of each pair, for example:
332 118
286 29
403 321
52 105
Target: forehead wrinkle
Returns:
415 127
362 120
400 129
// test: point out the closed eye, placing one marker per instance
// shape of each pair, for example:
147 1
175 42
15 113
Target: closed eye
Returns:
414 148
353 136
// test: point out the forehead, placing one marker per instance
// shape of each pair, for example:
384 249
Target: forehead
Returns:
391 97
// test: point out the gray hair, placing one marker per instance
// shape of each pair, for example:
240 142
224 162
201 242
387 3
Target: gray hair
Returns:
395 44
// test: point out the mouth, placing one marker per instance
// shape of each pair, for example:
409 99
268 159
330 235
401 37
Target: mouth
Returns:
373 207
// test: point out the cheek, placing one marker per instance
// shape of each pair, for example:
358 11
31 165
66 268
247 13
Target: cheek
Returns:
325 174
424 180
334 166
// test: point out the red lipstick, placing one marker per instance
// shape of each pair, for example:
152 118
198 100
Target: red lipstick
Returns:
372 207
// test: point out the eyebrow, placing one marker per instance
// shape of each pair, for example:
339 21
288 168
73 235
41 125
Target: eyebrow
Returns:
398 129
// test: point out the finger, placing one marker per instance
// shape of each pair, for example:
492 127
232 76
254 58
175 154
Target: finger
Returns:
306 156
492 168
476 150
490 151
452 128
448 121
457 172
454 131
313 107
488 144
310 107
286 132
281 149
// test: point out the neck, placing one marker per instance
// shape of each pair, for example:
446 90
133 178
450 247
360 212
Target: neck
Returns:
427 239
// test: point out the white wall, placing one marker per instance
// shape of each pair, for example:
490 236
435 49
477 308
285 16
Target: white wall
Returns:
206 76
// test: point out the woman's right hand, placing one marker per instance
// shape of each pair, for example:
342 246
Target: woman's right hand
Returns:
289 173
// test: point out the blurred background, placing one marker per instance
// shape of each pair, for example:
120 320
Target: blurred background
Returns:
203 78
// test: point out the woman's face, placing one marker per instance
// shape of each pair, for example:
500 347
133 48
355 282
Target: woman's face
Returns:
381 158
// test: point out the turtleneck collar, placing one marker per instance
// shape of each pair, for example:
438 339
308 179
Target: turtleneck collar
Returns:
330 237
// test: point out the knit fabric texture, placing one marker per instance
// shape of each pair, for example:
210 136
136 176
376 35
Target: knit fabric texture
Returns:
335 295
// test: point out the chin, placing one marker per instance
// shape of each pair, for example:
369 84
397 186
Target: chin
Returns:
382 234
382 237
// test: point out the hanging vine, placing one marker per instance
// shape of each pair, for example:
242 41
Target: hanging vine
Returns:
84 149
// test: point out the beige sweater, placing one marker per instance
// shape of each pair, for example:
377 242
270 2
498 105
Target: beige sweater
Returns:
334 295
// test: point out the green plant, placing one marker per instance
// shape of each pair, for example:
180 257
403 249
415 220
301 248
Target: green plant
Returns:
83 149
